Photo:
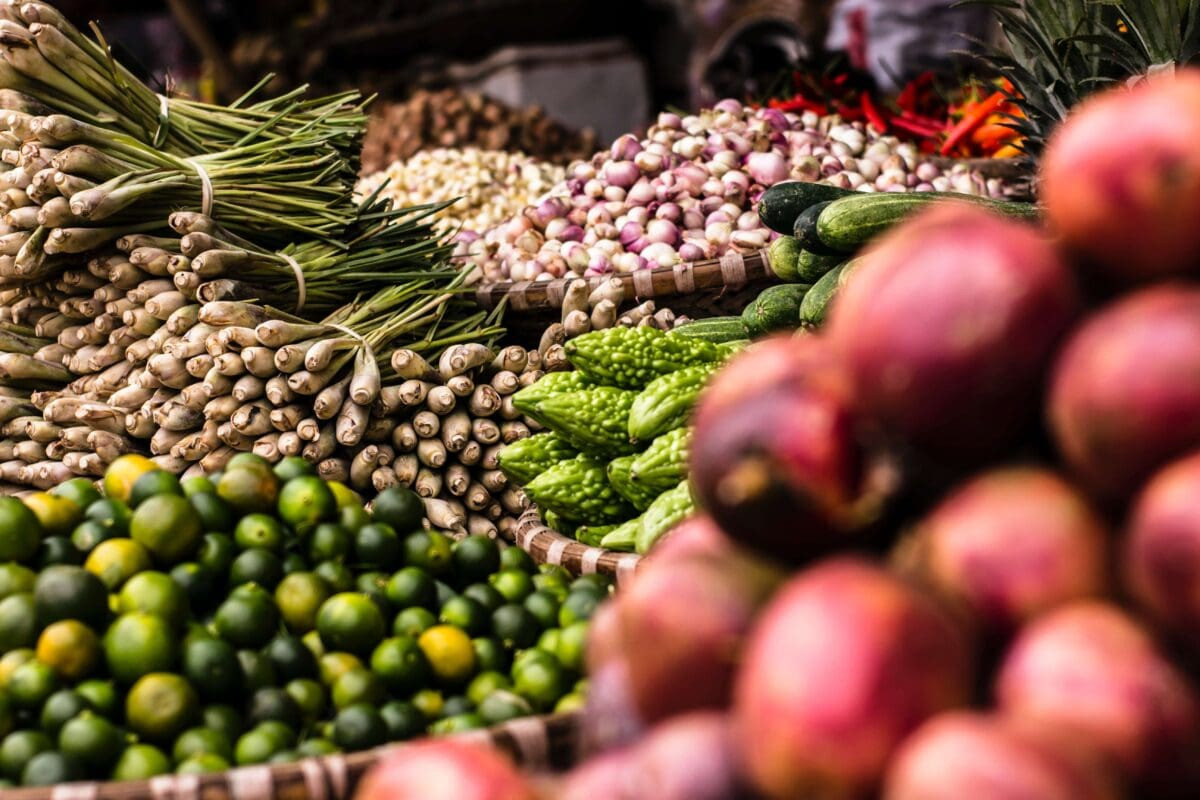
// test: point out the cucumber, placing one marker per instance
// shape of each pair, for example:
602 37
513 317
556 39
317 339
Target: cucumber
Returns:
775 309
783 256
805 231
847 224
717 330
812 308
783 202
810 266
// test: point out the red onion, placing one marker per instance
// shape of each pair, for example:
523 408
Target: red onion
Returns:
640 193
583 171
738 143
693 218
775 118
689 251
572 233
713 191
614 194
662 230
625 147
718 233
630 233
598 214
691 177
529 242
594 188
669 211
621 173
555 227
605 230
650 163
736 185
730 105
767 168
660 254
666 119
638 245
747 221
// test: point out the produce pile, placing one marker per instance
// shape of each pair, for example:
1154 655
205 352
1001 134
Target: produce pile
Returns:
453 118
686 191
483 187
984 469
260 615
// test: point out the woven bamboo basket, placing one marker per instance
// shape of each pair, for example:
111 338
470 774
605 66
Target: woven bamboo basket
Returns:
548 546
536 743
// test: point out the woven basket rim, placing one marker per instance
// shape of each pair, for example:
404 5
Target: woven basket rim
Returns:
547 546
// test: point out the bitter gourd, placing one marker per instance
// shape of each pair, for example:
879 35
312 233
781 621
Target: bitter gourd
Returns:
594 421
666 403
664 464
629 358
663 514
578 490
525 459
639 496
528 399
623 537
593 535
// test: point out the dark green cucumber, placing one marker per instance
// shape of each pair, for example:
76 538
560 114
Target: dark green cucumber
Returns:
810 267
816 301
848 224
805 231
783 202
717 330
783 256
777 308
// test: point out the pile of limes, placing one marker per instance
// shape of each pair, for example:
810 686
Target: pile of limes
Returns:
260 615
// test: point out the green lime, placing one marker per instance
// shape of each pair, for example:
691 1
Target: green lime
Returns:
257 671
313 748
377 546
197 484
449 653
544 607
359 727
579 605
299 596
57 515
137 644
20 530
92 740
249 487
503 705
152 483
399 507
199 741
59 708
216 553
273 703
161 705
490 655
167 527
475 558
211 665
344 495
572 646
18 621
312 640
428 550
202 764
30 685
429 702
514 584
486 595
112 514
334 665
154 593
350 621
374 586
255 747
214 513
411 586
293 467
413 621
57 550
18 748
541 682
570 702
68 592
15 578
52 768
283 757
248 619
515 627
516 558
139 762
123 473
70 648
552 584
199 584
399 662
291 658
282 733
11 660
465 613
329 542
305 501
260 530
337 575
550 640
101 697
224 719
459 723
309 697
403 720
88 534
484 684
359 685
113 561
594 582
353 517
256 565
294 562
80 491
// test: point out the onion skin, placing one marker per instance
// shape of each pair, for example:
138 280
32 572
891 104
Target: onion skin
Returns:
1123 399
1162 549
1011 544
959 755
844 663
1120 180
1090 673
444 769
992 298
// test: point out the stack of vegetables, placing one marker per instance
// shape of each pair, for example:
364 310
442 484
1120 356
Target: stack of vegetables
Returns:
260 615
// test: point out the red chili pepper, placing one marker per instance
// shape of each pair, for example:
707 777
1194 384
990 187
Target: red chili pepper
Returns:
972 119
873 114
917 127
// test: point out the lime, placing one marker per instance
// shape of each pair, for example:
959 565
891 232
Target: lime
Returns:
212 666
309 697
154 593
255 747
20 530
312 640
251 460
67 592
282 734
123 473
514 584
167 527
359 727
313 748
411 586
579 605
216 552
137 644
30 685
305 501
92 740
70 648
358 685
486 595
401 664
213 512
80 491
515 627
475 558
115 560
350 621
15 578
344 495
112 514
196 485
429 550
293 467
57 550
57 515
248 619
490 655
223 719
412 621
139 762
544 607
273 703
101 697
374 586
550 640
260 530
459 723
161 705
11 660
403 720
18 622
51 768
152 483
59 708
540 681
552 584
202 764
294 562
485 683
256 565
291 658
465 613
570 702
377 546
429 702
593 582
329 542
337 575
353 517
88 534
257 671
449 653
516 558
249 487
399 507
18 748
299 596
333 665
199 584
503 705
572 646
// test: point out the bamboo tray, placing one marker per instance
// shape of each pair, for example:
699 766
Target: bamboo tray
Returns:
547 546
537 743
